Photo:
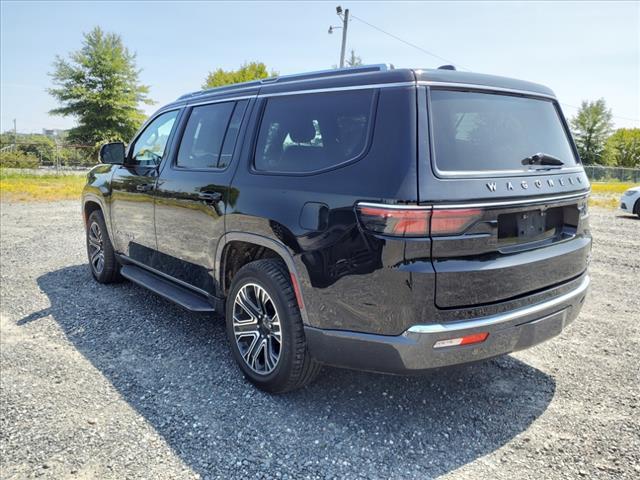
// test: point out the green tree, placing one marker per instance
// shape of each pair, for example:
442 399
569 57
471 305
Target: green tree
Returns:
99 86
591 126
622 149
353 60
247 72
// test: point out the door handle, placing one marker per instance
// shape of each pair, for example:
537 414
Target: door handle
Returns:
210 197
145 187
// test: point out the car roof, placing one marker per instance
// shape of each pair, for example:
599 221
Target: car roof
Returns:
365 75
435 76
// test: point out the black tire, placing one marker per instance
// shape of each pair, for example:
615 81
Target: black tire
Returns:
99 245
636 208
294 367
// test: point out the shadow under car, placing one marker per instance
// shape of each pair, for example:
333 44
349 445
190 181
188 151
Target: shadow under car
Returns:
175 369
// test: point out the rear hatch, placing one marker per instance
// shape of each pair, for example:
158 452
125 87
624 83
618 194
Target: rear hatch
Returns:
508 193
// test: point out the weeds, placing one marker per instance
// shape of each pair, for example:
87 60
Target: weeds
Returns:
16 186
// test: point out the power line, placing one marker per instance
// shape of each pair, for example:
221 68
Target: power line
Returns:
417 47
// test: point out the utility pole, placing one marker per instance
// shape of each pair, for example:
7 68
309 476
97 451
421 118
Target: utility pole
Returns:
345 24
15 136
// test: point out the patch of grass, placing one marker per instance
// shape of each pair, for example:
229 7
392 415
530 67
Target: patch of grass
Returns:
30 187
610 187
607 194
604 202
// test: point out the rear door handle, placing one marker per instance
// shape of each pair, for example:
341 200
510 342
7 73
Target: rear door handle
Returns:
145 187
210 197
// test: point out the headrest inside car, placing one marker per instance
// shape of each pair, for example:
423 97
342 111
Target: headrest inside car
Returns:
302 132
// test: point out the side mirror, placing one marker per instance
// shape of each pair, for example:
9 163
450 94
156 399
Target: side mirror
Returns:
112 153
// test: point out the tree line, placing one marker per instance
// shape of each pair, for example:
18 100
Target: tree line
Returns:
99 87
598 143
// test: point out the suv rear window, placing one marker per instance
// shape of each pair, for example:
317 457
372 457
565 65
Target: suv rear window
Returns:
307 133
475 132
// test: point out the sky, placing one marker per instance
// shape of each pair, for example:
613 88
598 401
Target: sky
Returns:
582 50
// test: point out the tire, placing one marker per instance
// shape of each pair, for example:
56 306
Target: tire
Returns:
102 259
263 321
636 208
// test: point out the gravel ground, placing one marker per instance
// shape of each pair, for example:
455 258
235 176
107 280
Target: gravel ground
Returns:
114 382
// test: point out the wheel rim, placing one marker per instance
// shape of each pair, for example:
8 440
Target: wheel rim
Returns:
256 327
96 249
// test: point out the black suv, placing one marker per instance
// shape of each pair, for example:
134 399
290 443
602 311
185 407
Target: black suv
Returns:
392 220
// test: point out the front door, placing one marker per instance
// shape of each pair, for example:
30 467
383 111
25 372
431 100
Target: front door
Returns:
133 187
192 193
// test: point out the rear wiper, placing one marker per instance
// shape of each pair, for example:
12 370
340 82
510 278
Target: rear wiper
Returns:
542 159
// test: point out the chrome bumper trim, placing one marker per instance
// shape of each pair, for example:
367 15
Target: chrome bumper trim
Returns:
515 202
492 320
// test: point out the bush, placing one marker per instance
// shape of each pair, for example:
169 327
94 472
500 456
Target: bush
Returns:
18 159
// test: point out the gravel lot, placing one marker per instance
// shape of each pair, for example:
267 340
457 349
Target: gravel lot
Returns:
114 382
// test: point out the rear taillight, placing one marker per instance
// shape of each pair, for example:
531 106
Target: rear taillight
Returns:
453 221
415 221
396 221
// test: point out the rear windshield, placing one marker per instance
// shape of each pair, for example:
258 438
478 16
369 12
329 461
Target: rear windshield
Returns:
475 132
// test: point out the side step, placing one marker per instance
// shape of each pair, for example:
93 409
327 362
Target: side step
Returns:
168 289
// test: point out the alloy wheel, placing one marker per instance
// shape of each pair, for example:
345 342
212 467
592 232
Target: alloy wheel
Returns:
256 327
96 248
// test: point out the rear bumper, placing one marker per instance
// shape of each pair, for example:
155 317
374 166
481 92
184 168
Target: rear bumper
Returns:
413 351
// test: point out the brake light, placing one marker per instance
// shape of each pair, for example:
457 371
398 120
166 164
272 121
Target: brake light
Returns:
409 221
453 221
466 340
415 221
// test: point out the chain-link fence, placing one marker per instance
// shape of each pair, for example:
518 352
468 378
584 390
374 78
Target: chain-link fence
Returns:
47 154
599 173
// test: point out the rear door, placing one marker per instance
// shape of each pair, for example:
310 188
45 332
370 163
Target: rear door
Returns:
508 195
193 192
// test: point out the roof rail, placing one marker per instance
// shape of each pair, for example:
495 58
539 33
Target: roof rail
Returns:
334 72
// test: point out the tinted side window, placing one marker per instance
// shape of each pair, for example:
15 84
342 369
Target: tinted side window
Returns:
306 133
203 136
150 145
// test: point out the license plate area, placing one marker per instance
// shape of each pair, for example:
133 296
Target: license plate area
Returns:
530 225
